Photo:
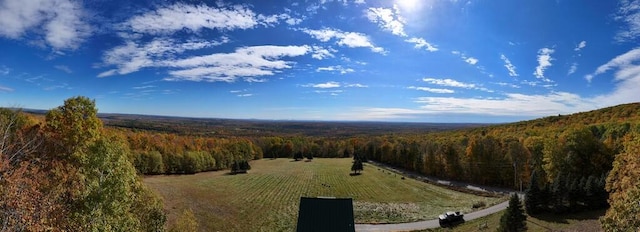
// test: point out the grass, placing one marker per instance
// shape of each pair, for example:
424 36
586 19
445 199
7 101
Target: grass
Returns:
583 222
267 198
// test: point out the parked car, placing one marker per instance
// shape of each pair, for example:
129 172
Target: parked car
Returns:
450 219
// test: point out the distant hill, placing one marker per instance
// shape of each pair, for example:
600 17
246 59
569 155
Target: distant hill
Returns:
245 127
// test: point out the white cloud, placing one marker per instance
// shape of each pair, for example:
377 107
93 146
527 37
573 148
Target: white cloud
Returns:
512 104
348 39
356 86
131 57
624 62
327 85
573 68
194 18
629 14
359 2
182 16
336 68
580 46
467 59
510 67
453 83
626 76
333 85
421 43
432 90
388 19
293 21
449 83
544 61
321 53
471 61
247 63
60 24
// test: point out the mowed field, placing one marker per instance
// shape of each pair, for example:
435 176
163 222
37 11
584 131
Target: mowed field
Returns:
267 198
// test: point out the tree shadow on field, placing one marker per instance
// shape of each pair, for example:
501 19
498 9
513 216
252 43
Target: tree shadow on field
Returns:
355 174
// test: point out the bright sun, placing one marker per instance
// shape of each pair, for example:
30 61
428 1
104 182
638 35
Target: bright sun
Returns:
409 6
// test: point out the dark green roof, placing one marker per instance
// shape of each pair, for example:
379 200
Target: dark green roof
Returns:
325 214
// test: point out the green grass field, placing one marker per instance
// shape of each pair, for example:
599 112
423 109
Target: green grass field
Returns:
267 198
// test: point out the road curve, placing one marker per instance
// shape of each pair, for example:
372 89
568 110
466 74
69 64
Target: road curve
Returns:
429 224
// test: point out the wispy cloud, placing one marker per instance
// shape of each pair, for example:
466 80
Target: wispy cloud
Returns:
248 63
508 85
471 61
573 68
327 85
465 58
544 61
387 19
348 39
64 68
510 67
356 86
320 53
629 14
421 43
144 87
194 18
59 24
432 90
336 68
4 70
580 46
511 104
334 85
132 56
5 89
453 83
626 64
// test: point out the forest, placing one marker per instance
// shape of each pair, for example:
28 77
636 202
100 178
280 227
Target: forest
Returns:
65 168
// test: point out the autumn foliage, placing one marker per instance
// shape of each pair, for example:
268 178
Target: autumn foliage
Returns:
66 174
66 171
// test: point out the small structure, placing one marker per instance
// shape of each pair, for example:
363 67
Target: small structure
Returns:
325 214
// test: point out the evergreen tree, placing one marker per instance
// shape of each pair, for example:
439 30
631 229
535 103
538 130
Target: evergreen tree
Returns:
532 200
357 166
559 193
514 218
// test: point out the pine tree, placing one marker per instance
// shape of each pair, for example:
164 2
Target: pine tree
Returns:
357 166
532 200
514 218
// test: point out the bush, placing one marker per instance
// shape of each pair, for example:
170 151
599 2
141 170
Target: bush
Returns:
479 204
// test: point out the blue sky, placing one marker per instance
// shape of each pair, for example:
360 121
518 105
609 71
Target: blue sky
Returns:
362 60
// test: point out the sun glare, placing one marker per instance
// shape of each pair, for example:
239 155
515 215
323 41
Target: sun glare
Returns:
410 6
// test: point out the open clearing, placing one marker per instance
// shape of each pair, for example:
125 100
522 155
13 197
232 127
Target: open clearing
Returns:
267 198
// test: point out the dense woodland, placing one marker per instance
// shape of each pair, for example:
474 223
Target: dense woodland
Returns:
568 162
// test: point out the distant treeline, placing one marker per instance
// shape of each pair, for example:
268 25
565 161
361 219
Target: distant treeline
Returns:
568 153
